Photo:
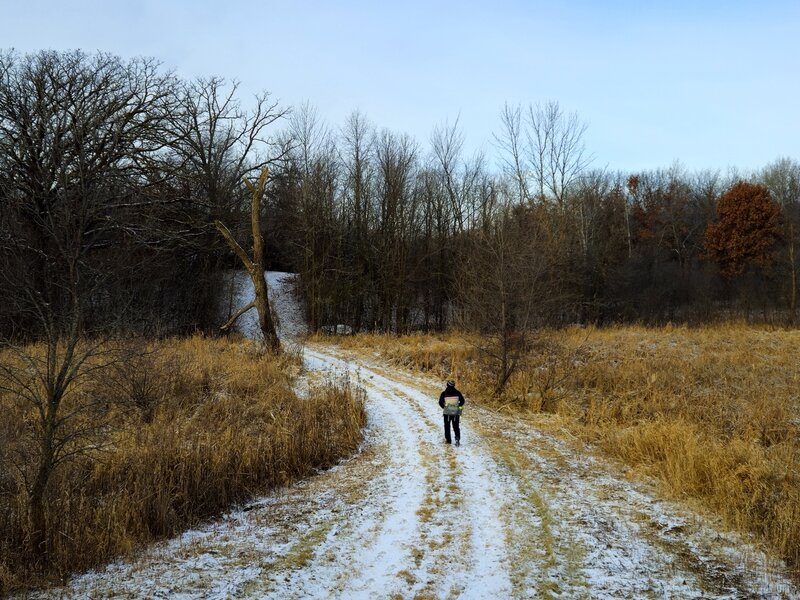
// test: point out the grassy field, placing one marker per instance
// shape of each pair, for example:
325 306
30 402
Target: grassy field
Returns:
221 424
711 412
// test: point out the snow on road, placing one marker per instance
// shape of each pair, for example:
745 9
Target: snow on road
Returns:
442 535
514 512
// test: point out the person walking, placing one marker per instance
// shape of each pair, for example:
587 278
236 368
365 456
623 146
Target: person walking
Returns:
451 401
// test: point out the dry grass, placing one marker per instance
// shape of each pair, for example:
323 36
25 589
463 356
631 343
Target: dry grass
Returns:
226 426
713 412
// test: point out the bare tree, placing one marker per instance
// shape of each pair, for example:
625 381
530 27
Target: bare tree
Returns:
447 142
511 143
314 159
395 157
543 149
254 265
506 285
358 191
75 131
782 178
556 148
215 143
221 142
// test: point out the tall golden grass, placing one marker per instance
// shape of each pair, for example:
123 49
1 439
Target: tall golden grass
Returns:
226 426
712 412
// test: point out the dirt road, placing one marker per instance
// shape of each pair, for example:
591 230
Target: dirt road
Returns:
518 511
514 512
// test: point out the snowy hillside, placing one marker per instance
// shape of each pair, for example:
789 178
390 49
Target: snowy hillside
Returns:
287 311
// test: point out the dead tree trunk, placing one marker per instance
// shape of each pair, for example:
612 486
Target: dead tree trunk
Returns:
254 266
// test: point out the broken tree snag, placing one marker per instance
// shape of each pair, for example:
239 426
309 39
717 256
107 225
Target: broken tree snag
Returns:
254 265
236 315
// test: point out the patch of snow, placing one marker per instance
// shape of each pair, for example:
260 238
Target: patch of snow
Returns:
464 498
337 329
287 311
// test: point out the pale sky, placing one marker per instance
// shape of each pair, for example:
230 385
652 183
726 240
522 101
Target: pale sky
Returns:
710 83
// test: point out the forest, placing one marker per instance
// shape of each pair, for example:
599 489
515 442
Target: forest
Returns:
114 171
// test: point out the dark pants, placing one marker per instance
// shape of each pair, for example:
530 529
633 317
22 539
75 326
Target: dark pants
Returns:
454 420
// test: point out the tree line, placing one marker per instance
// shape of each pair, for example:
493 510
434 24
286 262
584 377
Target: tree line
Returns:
113 173
390 236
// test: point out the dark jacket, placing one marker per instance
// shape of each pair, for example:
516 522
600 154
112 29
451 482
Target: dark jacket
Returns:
449 392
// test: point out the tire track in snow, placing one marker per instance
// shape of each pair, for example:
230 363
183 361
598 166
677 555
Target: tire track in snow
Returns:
485 497
516 513
611 538
635 543
371 553
462 491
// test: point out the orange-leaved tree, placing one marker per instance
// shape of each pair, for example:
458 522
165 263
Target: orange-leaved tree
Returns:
746 229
